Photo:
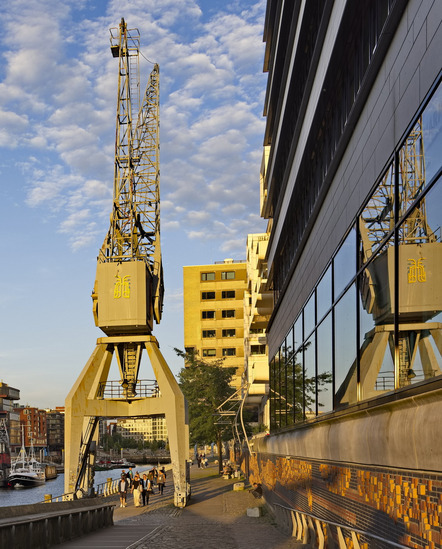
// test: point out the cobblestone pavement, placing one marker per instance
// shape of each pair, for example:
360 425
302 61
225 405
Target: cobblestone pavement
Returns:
216 517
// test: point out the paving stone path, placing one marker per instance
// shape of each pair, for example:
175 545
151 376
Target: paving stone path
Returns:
215 518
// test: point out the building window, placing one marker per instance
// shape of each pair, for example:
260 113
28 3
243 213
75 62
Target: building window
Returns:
228 313
208 295
209 333
257 349
229 333
207 314
207 276
228 294
209 352
227 275
349 355
229 351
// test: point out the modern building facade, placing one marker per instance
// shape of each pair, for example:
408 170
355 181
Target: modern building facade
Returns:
352 191
214 312
143 429
258 306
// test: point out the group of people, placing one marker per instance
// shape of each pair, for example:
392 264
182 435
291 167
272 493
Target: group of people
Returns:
202 461
140 486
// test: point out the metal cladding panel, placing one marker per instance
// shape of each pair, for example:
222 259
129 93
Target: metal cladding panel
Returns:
124 300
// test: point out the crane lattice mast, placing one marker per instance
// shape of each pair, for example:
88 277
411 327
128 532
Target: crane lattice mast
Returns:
134 231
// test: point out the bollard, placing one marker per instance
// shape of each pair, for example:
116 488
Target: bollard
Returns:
48 498
108 489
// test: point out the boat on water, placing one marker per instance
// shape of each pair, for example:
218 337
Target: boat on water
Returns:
26 471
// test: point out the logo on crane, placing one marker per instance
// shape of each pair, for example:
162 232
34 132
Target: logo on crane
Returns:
122 287
416 271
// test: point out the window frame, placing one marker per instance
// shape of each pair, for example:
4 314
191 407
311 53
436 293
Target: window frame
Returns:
225 296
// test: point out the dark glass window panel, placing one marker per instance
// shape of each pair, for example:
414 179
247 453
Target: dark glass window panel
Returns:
298 375
325 365
276 391
344 263
324 294
345 349
309 316
229 351
289 368
257 350
228 294
273 421
310 378
299 338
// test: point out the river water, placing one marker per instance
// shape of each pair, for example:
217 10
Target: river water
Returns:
55 487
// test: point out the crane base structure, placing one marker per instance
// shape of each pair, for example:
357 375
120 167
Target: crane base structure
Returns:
86 404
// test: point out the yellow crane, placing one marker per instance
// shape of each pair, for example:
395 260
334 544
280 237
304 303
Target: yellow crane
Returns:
128 291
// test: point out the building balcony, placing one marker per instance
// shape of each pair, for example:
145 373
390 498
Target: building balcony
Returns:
257 369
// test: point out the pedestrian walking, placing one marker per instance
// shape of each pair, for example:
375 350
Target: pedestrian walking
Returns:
130 475
137 489
152 477
123 485
144 493
149 490
161 481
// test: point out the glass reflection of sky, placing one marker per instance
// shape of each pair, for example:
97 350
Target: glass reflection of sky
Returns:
345 263
432 134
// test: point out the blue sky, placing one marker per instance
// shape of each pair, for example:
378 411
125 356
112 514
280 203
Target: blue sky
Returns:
57 111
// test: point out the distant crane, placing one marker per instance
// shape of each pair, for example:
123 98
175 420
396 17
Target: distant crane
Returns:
128 291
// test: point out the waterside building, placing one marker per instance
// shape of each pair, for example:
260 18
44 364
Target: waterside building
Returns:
351 189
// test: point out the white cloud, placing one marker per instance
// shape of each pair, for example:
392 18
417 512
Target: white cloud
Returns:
211 124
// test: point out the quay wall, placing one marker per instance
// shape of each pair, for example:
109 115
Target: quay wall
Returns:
43 525
377 470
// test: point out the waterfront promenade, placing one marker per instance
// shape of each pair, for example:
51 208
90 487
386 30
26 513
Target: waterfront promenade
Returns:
215 517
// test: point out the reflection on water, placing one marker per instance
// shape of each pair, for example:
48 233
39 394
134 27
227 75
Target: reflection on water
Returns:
54 487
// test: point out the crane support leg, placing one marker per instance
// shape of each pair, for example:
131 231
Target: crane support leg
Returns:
176 420
85 401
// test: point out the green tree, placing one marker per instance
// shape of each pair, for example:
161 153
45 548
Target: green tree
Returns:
206 385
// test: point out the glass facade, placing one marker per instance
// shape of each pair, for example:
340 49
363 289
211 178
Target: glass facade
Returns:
373 323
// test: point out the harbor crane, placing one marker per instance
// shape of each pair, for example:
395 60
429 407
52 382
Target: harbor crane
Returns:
128 292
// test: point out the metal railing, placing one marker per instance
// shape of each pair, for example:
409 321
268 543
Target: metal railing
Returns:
114 389
104 489
313 531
